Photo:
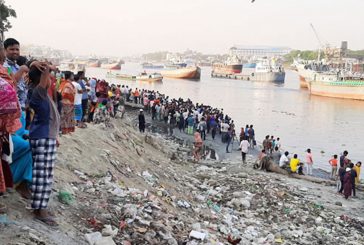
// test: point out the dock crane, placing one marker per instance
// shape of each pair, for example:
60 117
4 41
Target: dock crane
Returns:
319 41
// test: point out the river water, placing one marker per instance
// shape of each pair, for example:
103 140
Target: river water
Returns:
326 125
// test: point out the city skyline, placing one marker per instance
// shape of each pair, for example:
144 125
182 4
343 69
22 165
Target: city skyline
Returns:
125 28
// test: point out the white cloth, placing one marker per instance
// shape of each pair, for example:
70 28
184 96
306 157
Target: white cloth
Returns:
224 127
283 161
78 96
244 145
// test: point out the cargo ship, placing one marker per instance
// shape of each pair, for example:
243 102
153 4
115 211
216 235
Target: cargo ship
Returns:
232 66
337 86
265 72
192 72
93 63
112 66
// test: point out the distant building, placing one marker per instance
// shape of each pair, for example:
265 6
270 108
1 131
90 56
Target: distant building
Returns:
244 52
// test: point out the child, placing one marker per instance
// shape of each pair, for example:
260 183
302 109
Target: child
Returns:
333 163
300 169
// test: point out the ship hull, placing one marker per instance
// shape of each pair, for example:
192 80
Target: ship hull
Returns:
193 73
114 66
227 69
276 77
94 64
344 90
303 82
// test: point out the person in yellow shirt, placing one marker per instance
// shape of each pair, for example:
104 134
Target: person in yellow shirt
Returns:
357 170
294 163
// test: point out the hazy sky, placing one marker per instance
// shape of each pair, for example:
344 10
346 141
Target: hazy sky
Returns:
124 27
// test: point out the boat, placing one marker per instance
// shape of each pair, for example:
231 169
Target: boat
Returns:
73 67
154 77
231 66
268 71
175 65
94 63
249 65
112 66
192 72
109 74
336 85
307 69
151 66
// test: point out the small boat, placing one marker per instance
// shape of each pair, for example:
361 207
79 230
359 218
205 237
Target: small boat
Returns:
337 86
127 77
192 72
155 77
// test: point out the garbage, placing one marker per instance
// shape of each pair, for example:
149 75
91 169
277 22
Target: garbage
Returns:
65 197
93 237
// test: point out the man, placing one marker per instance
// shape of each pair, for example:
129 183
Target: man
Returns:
78 101
17 72
266 144
251 134
344 161
84 101
244 146
353 176
202 128
276 155
141 119
284 160
229 137
224 131
294 163
190 123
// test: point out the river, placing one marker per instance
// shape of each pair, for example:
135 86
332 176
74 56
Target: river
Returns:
326 125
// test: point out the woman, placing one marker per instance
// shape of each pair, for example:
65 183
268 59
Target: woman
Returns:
21 166
67 91
357 170
197 146
348 184
43 133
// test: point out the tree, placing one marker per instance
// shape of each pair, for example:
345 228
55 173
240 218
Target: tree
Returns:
5 13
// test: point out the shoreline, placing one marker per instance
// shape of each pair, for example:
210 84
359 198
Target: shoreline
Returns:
217 145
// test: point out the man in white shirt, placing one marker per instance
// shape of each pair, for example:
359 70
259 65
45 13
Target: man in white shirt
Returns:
78 102
244 146
224 129
284 160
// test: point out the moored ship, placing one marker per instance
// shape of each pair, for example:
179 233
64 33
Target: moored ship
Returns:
151 66
192 72
232 66
112 66
268 71
337 86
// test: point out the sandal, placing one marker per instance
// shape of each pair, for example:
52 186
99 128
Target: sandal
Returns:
46 220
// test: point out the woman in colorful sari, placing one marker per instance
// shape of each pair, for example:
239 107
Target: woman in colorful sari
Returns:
21 166
67 90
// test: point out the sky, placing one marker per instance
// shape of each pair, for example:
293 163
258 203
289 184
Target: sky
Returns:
128 27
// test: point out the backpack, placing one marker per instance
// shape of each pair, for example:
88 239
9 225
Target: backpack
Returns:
8 98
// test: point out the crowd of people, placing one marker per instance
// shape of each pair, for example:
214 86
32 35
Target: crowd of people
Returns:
38 103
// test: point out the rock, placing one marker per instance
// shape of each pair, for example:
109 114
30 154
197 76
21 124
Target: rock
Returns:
109 231
105 241
92 238
34 238
197 235
339 204
318 220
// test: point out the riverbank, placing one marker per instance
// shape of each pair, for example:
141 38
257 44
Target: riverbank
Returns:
147 190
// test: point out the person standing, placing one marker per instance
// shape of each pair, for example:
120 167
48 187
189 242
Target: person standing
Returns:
213 125
357 169
348 183
344 161
190 123
43 133
229 137
251 133
333 163
84 101
276 155
202 128
141 119
309 162
12 53
244 146
78 102
353 177
67 91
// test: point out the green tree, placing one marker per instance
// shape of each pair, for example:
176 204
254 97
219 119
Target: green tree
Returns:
5 13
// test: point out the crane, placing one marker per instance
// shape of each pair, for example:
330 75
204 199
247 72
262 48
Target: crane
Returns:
319 41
